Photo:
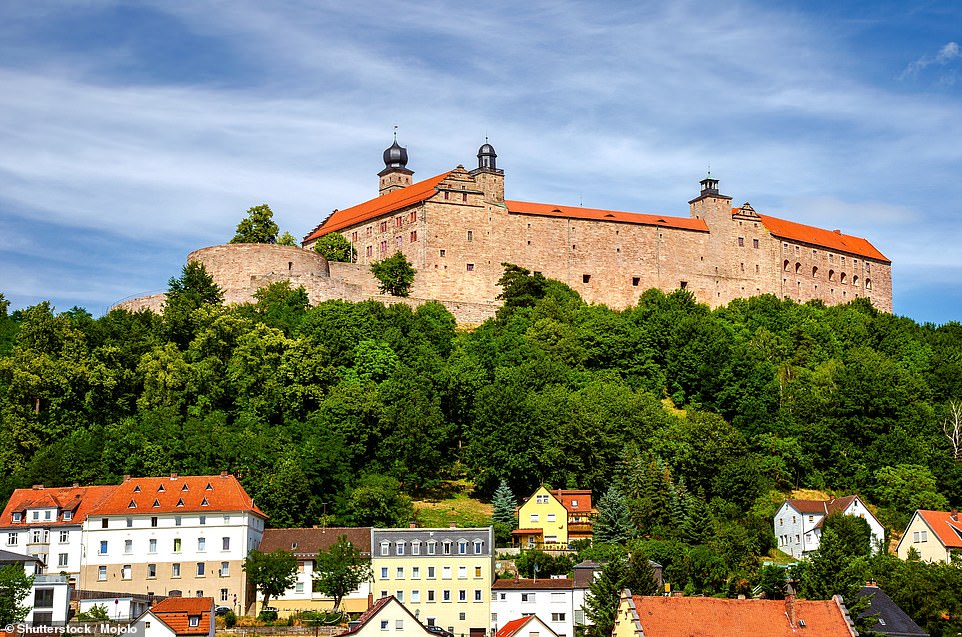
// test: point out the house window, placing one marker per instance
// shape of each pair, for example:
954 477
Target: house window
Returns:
103 547
446 547
415 572
400 572
151 570
176 545
103 522
399 623
445 572
925 536
445 596
224 569
16 516
431 572
101 573
477 595
415 548
202 520
399 595
557 617
541 499
462 547
462 572
384 624
527 597
176 520
194 620
741 242
201 544
551 517
462 595
399 548
125 572
385 548
128 546
200 569
431 595
534 517
384 572
62 560
64 537
415 596
225 544
175 570
470 267
477 571
224 594
478 547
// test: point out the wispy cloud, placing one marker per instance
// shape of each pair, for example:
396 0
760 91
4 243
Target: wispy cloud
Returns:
949 52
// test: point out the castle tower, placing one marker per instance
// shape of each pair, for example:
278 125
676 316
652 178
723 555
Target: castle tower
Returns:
487 174
710 205
395 174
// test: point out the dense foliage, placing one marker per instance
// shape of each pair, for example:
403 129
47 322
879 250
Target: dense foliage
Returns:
701 419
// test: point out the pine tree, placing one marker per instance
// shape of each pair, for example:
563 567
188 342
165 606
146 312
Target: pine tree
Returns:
613 524
602 598
698 526
504 503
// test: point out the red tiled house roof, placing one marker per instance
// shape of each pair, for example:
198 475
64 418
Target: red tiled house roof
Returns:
577 212
569 498
177 611
175 494
514 626
832 239
307 542
942 523
383 205
707 616
78 500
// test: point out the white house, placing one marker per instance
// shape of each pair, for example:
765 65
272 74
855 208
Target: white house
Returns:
172 536
528 626
387 617
798 523
49 599
935 535
177 617
550 599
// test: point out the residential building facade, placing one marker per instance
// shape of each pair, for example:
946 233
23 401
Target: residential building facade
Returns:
798 523
527 626
49 597
442 575
387 617
177 617
550 599
553 518
935 535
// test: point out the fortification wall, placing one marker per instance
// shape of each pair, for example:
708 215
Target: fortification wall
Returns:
153 302
234 266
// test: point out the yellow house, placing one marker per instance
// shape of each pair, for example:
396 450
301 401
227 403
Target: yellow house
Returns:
551 518
935 535
442 575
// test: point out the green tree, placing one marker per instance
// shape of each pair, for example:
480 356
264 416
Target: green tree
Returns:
831 570
504 503
286 239
520 288
854 533
613 522
15 585
394 274
271 573
340 569
334 246
257 227
186 294
378 501
602 598
907 487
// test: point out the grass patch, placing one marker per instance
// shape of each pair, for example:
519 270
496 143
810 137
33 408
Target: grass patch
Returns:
459 509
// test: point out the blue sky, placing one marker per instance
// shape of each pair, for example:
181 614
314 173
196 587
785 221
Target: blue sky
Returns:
133 133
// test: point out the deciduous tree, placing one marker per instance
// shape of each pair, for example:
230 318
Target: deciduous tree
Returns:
271 573
395 274
334 246
257 227
15 585
340 569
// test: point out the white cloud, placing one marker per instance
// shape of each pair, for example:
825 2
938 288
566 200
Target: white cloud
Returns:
948 52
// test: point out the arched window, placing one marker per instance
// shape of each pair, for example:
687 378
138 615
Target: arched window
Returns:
798 267
868 284
785 265
814 271
831 275
855 280
842 279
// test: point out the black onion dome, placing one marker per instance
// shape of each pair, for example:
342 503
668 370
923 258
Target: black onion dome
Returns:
487 156
396 156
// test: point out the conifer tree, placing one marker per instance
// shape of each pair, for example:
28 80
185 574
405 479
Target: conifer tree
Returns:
613 524
504 503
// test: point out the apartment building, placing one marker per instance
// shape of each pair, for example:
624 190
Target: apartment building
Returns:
550 599
442 575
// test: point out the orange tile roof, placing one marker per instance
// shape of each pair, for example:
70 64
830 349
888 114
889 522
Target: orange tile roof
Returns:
942 524
514 626
78 500
569 497
832 239
382 205
177 611
173 494
707 616
577 212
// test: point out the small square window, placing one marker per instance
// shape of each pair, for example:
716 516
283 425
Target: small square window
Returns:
635 280
470 235
755 243
470 267
585 278
741 242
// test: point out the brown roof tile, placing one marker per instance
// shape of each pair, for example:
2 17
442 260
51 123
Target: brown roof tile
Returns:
531 584
78 500
175 494
310 541
577 212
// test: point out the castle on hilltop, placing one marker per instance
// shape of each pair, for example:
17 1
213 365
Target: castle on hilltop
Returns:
457 229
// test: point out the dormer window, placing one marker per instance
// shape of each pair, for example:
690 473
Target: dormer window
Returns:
180 502
574 504
132 505
68 515
204 503
155 504
17 517
161 489
208 487
137 489
184 488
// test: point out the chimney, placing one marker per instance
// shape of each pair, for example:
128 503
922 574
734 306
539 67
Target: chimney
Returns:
38 487
173 476
76 485
126 477
954 515
790 605
413 525
453 525
224 474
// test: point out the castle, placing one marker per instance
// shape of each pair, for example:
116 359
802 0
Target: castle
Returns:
457 229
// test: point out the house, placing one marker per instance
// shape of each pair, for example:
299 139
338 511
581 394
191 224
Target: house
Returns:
177 617
305 544
892 620
173 536
385 618
553 518
549 599
46 523
798 523
528 626
48 599
935 535
443 575
121 607
639 616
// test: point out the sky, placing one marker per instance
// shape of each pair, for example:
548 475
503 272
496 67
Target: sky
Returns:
132 133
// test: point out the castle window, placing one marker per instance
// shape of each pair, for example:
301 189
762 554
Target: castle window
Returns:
831 275
398 221
785 265
843 260
755 243
354 236
868 284
413 216
798 267
831 258
384 226
442 252
470 235
742 266
841 278
814 271
414 236
796 250
683 285
290 266
369 230
855 280
470 267
635 280
384 246
398 240
464 196
741 242
370 251
868 266
814 253
585 278
446 195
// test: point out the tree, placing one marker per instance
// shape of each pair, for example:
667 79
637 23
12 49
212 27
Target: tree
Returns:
334 246
854 533
378 501
520 288
613 523
603 596
257 227
15 585
951 425
395 274
271 573
340 570
286 239
504 503
831 570
907 487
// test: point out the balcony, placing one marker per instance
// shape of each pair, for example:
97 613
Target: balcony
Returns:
579 528
49 579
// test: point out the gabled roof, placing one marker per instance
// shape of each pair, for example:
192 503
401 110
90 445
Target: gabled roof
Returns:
593 214
372 612
569 498
947 528
177 611
514 626
307 542
379 206
831 239
8 557
823 507
525 584
177 494
78 500
893 620
709 616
